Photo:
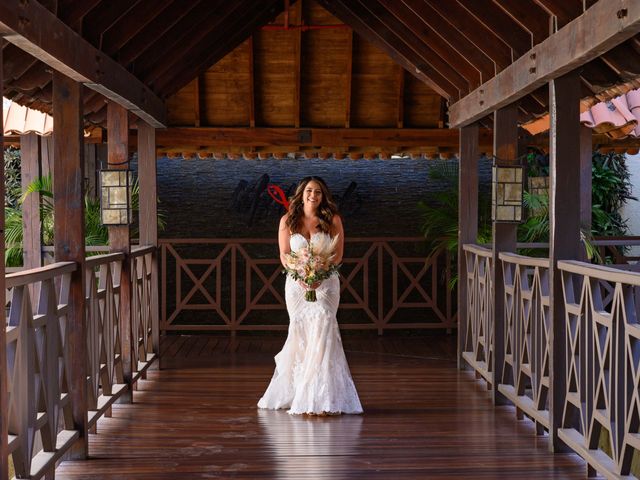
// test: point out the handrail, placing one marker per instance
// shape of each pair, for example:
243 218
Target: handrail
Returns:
604 273
34 275
524 260
97 260
142 250
477 249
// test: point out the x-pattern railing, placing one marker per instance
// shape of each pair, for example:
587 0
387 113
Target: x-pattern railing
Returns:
478 344
603 365
525 377
141 312
39 401
234 282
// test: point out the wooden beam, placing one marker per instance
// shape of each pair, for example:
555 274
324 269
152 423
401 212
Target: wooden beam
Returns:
596 31
400 98
467 219
586 160
148 215
564 229
69 241
4 384
23 23
348 82
505 148
120 237
30 171
530 15
389 42
102 17
205 137
252 84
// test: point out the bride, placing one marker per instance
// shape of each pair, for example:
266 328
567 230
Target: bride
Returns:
312 375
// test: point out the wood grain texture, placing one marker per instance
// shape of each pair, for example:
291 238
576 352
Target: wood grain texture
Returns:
423 419
30 170
68 191
4 406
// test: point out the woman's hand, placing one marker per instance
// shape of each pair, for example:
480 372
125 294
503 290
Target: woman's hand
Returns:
306 286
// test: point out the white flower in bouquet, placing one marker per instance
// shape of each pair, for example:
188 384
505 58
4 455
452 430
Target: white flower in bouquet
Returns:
313 263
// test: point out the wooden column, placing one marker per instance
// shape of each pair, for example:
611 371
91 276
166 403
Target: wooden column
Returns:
68 194
149 215
467 219
586 154
4 397
30 170
564 225
46 156
505 148
119 236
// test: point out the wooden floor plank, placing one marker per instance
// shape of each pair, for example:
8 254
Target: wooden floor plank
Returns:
423 419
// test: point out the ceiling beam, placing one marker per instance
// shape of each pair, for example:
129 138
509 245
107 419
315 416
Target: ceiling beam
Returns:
388 42
215 137
596 31
23 23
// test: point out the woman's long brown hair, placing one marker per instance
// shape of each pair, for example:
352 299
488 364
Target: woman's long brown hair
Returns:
326 210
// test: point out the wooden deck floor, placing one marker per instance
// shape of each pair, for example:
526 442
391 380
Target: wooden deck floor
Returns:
423 419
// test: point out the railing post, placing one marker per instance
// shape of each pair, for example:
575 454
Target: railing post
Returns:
505 148
68 194
586 154
119 238
467 220
29 171
4 397
564 226
148 216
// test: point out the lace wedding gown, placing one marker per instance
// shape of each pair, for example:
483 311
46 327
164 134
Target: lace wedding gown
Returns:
312 374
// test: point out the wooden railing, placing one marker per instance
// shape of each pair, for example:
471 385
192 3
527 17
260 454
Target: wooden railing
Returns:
478 344
525 373
224 284
105 374
603 365
38 396
40 424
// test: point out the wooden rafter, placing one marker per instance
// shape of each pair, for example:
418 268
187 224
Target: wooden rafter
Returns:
22 24
589 34
103 17
72 12
377 34
531 15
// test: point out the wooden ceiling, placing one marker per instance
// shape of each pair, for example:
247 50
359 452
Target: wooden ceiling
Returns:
451 46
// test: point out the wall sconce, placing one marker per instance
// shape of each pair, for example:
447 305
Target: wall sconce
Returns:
115 197
506 194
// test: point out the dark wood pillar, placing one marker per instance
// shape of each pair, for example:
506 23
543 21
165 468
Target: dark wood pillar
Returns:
68 194
467 220
4 406
564 225
149 215
505 149
30 170
119 236
586 154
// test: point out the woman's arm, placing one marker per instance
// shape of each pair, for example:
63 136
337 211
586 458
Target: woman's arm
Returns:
338 229
283 239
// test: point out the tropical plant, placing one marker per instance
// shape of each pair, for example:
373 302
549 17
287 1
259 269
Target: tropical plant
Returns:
12 177
96 234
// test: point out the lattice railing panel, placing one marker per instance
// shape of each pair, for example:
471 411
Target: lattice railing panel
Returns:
478 344
603 365
39 401
525 379
141 311
225 284
105 373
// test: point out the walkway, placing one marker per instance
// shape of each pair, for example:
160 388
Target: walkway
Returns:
423 419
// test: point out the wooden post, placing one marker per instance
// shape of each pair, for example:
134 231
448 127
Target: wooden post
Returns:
564 226
149 216
4 397
505 148
68 193
30 170
467 220
586 154
119 237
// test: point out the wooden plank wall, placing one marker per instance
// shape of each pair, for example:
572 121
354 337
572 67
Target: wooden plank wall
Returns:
380 96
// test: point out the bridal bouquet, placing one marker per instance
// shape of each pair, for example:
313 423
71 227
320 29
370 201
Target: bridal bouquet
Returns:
312 263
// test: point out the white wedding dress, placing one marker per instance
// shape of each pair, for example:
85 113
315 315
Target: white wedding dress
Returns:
312 374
